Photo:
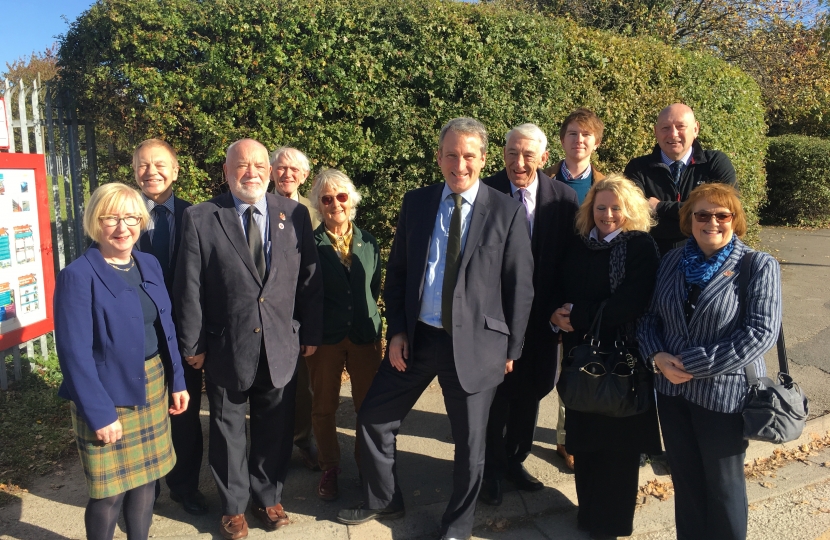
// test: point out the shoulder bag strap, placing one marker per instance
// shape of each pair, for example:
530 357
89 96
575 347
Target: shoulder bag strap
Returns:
743 287
593 331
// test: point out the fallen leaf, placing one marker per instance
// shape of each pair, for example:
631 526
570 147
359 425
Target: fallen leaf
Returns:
768 485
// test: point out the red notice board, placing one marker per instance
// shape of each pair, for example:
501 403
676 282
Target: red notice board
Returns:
27 274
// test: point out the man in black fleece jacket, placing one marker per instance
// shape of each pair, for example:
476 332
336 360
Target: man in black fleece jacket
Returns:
676 166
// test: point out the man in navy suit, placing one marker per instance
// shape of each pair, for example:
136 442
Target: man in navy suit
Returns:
458 294
550 208
249 299
156 168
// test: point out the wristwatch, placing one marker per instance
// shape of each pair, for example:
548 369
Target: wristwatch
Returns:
650 363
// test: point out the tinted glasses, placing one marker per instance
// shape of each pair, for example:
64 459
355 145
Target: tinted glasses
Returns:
706 217
328 199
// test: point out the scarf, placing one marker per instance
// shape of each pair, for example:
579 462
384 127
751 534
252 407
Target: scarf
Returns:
697 268
619 250
342 246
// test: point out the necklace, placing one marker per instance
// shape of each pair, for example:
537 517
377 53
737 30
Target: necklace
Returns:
123 267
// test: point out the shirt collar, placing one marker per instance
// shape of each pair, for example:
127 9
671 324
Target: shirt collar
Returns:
594 234
469 196
685 159
569 176
242 207
530 190
169 204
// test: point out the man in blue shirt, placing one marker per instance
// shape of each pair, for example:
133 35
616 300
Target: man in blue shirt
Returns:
459 286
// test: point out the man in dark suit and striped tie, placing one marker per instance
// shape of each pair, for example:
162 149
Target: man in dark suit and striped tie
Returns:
156 168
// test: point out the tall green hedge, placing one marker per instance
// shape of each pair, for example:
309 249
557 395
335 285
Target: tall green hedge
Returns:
798 177
365 85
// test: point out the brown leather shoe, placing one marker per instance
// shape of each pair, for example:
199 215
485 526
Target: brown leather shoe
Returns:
272 517
309 457
327 489
234 527
569 459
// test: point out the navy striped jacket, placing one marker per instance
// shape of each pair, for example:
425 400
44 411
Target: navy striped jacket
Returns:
714 346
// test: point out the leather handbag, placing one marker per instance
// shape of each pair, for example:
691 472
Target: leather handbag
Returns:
774 411
610 380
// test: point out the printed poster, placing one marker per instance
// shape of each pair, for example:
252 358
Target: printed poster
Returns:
21 264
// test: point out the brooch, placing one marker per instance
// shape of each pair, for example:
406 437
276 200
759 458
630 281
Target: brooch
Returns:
282 217
281 226
728 273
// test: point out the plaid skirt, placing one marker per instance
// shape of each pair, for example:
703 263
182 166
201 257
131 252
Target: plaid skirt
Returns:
145 451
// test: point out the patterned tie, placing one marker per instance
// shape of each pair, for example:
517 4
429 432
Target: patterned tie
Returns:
451 266
255 243
676 169
522 194
161 239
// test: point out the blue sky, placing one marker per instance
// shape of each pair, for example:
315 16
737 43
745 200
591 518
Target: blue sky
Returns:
31 25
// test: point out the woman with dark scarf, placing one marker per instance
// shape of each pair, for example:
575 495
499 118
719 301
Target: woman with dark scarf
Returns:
699 340
614 262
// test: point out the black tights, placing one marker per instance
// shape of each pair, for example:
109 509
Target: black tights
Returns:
102 514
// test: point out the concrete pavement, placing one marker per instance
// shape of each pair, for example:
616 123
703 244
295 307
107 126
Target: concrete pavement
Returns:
792 504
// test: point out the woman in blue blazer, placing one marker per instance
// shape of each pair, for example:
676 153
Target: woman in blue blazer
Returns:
116 340
698 343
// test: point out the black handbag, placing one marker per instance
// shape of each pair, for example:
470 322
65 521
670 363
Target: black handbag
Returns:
774 411
610 380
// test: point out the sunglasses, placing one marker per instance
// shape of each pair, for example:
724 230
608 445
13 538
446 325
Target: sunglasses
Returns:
328 199
706 217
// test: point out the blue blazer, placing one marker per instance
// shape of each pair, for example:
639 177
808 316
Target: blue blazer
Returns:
99 334
715 345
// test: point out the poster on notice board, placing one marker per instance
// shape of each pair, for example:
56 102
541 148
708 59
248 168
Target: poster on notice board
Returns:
27 279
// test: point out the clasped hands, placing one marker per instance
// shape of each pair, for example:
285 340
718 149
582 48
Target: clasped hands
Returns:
562 318
399 353
672 368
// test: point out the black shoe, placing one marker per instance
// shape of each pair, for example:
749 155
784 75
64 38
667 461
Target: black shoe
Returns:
523 479
491 492
360 514
194 503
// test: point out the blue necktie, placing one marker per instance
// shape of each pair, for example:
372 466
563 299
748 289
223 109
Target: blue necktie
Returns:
522 193
161 239
676 169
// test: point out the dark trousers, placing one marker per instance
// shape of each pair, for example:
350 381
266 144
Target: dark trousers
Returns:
606 490
392 395
302 408
186 432
510 430
706 452
262 473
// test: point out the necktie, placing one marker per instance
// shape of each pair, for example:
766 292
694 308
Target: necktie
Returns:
522 194
451 265
676 168
161 239
255 243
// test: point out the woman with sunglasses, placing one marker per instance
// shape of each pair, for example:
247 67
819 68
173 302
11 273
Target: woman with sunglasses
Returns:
699 340
116 344
612 263
350 262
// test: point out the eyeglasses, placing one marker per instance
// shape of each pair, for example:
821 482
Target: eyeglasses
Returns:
112 221
706 217
328 199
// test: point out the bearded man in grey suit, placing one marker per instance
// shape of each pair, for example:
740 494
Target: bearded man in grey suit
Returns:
459 286
249 298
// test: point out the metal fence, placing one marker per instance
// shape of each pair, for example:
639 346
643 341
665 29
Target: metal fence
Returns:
71 168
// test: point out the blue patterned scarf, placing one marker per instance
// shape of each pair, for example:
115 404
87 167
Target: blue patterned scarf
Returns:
697 268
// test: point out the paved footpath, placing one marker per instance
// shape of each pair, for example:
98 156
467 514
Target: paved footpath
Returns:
792 502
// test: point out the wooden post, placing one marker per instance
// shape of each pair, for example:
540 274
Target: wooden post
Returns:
18 373
4 380
44 347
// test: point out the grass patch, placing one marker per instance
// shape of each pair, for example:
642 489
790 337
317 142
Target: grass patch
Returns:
35 426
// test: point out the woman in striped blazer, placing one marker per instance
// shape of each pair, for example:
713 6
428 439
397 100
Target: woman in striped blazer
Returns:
698 343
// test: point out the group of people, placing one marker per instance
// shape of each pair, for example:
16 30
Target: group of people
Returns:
489 283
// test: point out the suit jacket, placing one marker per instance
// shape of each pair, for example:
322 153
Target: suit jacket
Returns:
145 245
224 308
553 231
99 334
494 290
350 300
714 345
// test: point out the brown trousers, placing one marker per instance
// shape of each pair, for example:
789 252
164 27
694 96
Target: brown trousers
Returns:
325 368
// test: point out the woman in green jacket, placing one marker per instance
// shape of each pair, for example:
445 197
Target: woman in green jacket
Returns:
350 261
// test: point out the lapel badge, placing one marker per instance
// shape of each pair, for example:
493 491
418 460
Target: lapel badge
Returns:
282 217
359 244
728 273
281 226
